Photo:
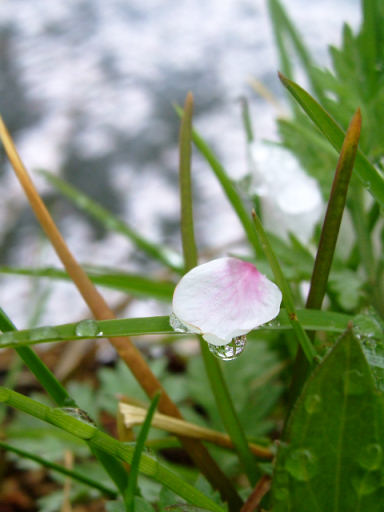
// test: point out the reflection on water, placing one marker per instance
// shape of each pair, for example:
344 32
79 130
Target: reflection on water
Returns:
87 88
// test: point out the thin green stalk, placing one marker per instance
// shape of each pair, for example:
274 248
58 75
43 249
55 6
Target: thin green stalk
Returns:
61 397
75 475
216 378
247 123
129 497
311 320
301 335
104 443
328 239
85 203
229 188
334 214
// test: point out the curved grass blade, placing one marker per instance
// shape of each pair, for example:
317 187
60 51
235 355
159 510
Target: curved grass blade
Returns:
288 301
104 443
133 284
166 256
369 176
76 475
311 320
129 497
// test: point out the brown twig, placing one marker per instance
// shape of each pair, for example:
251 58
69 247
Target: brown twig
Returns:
260 490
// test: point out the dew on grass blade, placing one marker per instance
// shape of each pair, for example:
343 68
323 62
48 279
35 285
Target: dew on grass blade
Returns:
231 350
312 403
79 414
87 328
43 333
301 464
371 456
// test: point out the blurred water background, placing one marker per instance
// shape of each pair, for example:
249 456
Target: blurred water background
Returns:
86 88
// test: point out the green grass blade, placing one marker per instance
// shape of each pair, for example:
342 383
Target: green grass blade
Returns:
132 284
59 395
288 301
42 373
369 176
166 256
140 443
212 367
334 214
187 229
229 188
75 475
311 320
107 444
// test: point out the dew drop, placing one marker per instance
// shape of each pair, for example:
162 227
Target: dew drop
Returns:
367 326
301 464
366 483
312 404
79 414
370 457
354 383
87 328
281 494
229 351
176 324
43 333
6 338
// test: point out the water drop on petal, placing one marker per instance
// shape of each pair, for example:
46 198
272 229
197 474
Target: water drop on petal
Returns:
176 324
229 351
87 328
301 464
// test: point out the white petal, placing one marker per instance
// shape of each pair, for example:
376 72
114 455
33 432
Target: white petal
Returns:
225 298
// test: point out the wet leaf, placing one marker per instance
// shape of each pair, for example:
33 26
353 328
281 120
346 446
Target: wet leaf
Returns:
331 457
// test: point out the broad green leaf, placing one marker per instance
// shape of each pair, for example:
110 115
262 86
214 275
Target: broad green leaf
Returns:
129 283
369 176
310 319
332 453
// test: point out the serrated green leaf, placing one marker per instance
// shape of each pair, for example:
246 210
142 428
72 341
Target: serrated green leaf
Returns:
331 457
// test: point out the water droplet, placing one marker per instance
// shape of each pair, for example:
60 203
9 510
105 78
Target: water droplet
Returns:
366 483
79 414
229 351
355 382
43 333
87 328
281 494
370 457
6 338
301 464
367 326
312 404
176 324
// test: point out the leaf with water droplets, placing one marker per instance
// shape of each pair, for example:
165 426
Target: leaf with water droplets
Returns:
332 452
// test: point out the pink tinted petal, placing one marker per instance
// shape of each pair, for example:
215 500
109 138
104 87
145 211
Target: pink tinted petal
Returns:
225 298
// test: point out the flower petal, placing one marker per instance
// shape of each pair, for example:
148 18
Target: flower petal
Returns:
225 298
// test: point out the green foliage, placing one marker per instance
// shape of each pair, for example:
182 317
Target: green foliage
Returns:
347 474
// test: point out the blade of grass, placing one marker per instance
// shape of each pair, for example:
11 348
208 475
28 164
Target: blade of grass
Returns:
107 444
129 497
215 376
100 309
85 203
133 284
311 320
328 239
288 301
229 188
334 214
80 477
61 397
369 176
